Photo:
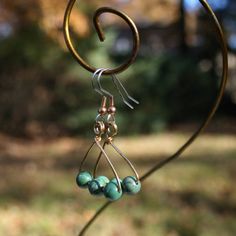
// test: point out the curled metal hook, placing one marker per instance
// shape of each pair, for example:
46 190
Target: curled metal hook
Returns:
121 89
98 13
94 79
104 92
119 86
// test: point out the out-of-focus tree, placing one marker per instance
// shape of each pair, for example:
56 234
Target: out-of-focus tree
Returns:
44 91
48 15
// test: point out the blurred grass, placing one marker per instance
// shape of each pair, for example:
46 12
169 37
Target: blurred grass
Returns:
195 195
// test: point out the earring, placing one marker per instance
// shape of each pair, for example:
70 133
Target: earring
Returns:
105 129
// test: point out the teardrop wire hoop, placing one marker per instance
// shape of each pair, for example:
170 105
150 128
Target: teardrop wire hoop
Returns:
204 124
110 142
102 152
111 165
126 160
98 160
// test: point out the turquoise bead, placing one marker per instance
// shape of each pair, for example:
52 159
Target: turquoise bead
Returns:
104 179
111 191
83 178
97 185
114 180
131 185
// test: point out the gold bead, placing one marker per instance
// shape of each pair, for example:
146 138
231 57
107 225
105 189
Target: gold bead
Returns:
102 110
112 110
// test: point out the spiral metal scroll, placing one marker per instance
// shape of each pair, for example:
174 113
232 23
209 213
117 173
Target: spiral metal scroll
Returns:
100 11
204 124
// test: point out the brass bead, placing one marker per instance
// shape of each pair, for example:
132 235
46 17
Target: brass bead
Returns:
102 110
112 110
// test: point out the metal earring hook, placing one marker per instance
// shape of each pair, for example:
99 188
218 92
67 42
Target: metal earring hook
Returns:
97 78
94 78
117 84
120 87
102 90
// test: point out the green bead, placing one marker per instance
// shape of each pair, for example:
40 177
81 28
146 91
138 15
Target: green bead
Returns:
111 191
131 185
97 185
114 180
104 179
83 178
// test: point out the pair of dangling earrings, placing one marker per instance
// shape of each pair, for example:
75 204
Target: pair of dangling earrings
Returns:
105 129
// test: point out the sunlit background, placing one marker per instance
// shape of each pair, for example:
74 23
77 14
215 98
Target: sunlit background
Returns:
48 106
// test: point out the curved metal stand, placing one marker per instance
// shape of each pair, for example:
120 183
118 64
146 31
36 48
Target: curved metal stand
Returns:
159 165
100 11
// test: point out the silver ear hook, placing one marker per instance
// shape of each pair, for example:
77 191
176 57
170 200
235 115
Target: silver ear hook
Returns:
118 83
121 89
119 86
94 79
102 90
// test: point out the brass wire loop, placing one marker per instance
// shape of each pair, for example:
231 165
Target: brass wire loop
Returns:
98 13
203 125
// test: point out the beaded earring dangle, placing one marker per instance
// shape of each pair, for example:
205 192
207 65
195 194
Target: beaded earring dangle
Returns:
105 129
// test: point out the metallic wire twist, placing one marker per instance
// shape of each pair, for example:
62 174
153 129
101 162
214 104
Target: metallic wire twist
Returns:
204 124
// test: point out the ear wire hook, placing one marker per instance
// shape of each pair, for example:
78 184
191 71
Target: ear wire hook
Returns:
93 78
119 86
98 13
99 89
102 90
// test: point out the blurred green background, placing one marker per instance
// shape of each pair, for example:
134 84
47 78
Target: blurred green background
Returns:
47 109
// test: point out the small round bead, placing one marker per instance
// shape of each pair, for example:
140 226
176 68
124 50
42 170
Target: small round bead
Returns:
104 179
131 185
96 186
102 110
114 180
111 191
111 110
83 178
